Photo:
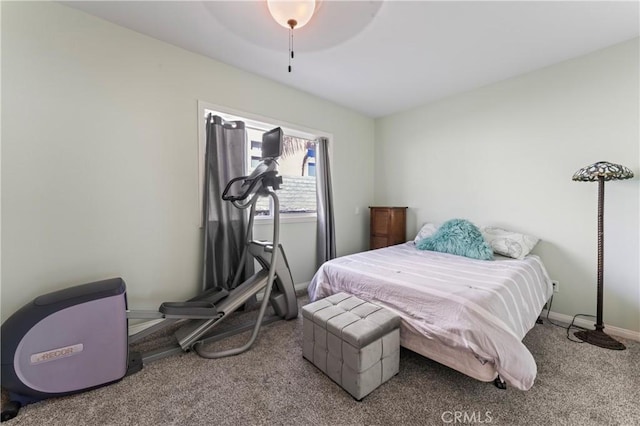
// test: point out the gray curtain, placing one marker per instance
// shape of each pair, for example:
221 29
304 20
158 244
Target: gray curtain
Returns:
325 238
224 225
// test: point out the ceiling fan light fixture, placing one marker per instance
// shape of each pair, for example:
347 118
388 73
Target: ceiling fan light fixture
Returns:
291 14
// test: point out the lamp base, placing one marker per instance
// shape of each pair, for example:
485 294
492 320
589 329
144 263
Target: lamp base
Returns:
599 338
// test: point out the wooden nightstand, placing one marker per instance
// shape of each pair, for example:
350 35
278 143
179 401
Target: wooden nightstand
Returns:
388 226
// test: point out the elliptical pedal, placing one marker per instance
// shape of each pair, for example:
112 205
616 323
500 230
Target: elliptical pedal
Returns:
199 309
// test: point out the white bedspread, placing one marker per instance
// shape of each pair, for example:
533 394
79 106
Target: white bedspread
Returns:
485 307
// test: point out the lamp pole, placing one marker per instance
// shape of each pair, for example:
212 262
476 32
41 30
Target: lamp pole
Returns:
599 320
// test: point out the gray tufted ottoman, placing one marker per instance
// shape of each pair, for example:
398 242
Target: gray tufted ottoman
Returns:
356 343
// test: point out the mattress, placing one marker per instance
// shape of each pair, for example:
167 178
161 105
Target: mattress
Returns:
478 309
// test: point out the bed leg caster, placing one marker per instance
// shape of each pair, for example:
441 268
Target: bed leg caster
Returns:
539 320
500 384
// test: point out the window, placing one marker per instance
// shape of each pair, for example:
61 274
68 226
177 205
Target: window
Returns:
297 195
297 165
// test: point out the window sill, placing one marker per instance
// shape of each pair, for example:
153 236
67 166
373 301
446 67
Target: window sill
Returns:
298 218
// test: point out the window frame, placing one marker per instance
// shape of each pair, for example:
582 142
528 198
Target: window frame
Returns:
256 121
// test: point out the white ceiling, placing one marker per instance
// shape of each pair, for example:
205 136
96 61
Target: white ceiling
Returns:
383 57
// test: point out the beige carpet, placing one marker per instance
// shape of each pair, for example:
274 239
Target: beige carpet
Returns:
577 384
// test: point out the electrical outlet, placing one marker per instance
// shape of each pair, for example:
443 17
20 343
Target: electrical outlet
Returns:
556 286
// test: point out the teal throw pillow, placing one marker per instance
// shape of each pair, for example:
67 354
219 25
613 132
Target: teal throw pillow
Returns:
459 237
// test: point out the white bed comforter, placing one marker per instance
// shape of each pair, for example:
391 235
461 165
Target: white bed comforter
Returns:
485 307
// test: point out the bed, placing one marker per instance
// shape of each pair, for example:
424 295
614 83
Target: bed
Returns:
470 315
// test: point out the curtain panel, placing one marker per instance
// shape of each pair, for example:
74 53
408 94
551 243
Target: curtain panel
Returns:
225 233
325 235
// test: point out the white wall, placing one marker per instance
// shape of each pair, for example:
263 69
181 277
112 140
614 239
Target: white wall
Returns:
99 156
504 155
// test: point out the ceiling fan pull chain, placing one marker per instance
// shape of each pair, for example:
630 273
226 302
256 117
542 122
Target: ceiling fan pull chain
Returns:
290 46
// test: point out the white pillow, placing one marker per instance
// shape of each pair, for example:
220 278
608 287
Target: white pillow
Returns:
509 243
427 230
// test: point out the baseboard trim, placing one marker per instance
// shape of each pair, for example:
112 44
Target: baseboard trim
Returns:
301 287
588 323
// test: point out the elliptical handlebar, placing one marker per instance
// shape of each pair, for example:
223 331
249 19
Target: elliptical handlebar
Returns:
265 174
243 195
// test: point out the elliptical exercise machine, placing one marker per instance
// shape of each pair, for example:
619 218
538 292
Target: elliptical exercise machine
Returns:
78 338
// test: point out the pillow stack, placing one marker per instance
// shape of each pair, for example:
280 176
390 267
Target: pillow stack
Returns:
463 238
508 243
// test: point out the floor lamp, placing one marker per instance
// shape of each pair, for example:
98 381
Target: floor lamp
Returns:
601 171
